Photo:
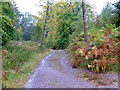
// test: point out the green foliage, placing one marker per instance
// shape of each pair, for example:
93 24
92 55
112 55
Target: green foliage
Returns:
116 68
17 14
117 12
7 9
65 20
4 38
37 33
7 31
111 13
16 57
98 22
108 14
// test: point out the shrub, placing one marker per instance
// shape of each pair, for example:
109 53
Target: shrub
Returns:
100 55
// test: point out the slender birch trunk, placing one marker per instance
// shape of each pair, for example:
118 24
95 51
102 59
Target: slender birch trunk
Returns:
46 21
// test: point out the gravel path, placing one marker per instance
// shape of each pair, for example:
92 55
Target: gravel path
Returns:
55 71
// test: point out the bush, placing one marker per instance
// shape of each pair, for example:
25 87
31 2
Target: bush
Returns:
100 55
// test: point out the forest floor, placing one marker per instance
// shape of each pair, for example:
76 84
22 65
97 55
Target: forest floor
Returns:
55 71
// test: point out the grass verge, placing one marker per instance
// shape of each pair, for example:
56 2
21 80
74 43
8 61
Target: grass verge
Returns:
19 64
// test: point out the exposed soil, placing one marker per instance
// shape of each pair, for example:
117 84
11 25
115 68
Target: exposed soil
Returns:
55 71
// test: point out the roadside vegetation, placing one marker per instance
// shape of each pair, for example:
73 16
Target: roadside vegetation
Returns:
102 53
90 39
19 60
20 55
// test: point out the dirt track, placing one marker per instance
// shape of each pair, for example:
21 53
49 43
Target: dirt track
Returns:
55 71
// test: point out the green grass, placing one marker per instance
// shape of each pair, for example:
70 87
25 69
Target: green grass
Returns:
116 68
19 64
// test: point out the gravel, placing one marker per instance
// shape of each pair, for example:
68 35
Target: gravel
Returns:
55 71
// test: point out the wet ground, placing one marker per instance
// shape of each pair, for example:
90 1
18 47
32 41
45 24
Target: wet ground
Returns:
55 71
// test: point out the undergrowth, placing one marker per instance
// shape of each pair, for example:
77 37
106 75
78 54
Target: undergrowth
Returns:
102 52
18 63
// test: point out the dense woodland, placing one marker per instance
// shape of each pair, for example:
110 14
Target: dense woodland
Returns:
90 39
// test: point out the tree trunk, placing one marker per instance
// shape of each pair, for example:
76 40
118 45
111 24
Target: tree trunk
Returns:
46 21
85 22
